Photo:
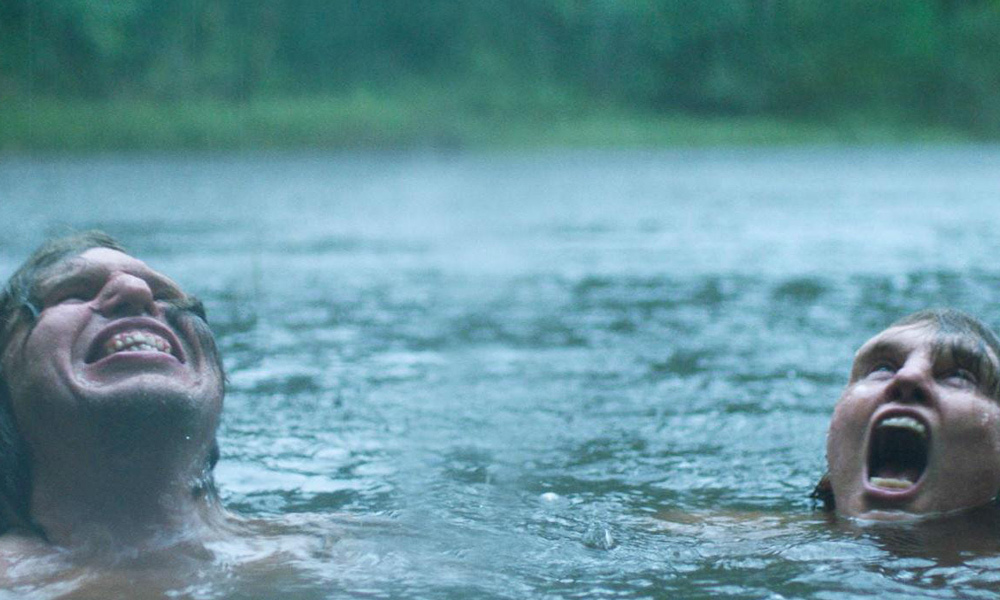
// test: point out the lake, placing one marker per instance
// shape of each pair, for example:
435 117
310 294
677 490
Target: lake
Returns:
569 374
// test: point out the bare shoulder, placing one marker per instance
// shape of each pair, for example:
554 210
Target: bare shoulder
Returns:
15 547
23 558
699 521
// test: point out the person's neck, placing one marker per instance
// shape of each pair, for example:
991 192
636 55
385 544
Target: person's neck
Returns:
111 499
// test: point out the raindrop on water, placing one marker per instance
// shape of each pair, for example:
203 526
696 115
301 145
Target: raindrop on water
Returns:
599 537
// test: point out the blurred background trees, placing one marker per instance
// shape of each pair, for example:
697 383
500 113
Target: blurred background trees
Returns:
935 62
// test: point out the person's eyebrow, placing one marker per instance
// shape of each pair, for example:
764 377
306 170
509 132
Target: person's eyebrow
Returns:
880 349
962 352
64 273
158 282
973 356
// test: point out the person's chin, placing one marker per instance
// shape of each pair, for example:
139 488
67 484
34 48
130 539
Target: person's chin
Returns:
920 509
887 515
865 505
150 391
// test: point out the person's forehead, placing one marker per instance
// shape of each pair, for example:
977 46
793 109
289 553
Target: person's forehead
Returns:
111 258
925 336
905 336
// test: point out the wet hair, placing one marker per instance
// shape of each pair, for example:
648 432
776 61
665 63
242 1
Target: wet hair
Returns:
19 301
959 334
20 306
822 494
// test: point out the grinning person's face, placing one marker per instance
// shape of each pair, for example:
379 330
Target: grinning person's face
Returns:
111 337
915 432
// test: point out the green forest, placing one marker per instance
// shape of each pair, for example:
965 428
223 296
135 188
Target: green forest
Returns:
83 74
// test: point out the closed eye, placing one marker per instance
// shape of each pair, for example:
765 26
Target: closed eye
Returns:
961 376
69 295
882 368
72 287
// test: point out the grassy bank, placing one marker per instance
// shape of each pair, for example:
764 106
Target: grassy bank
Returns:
364 121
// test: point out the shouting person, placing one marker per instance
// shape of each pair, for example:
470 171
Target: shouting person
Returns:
917 430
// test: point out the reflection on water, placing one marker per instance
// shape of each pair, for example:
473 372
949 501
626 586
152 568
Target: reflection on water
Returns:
572 374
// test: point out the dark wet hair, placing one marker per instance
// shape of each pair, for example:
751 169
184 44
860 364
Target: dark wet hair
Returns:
822 494
20 304
956 332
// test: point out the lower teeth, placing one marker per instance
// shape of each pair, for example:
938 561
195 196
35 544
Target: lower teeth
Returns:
891 483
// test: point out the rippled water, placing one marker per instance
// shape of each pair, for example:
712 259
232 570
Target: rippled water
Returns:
573 375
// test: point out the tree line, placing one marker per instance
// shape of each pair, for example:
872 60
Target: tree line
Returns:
929 61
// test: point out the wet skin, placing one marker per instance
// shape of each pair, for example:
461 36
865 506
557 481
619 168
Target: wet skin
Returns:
910 374
68 371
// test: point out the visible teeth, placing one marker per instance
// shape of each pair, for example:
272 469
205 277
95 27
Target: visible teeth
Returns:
891 483
905 423
137 341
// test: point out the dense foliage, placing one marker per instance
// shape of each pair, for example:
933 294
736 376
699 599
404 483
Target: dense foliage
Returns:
927 61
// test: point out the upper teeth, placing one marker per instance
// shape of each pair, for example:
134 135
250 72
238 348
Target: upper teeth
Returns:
905 423
136 341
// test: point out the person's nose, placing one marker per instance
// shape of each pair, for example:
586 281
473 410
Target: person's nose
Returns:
912 382
126 295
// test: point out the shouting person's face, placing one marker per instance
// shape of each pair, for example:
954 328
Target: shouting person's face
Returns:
916 431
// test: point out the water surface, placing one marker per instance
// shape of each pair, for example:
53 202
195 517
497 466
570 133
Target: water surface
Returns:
567 374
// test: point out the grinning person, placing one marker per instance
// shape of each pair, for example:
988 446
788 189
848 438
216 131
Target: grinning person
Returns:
917 429
110 396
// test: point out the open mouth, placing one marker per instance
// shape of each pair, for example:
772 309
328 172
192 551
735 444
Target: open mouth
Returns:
897 452
131 340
